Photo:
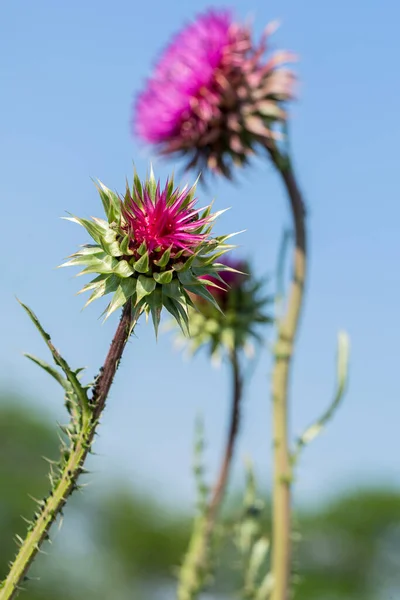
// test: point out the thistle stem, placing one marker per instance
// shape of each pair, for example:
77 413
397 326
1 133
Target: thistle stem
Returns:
221 483
194 568
287 329
51 507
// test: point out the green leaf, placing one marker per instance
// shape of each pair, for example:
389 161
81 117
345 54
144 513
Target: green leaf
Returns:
342 373
164 277
144 287
142 265
123 269
50 370
79 391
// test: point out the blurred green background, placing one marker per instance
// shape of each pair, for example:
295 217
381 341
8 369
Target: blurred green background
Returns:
118 543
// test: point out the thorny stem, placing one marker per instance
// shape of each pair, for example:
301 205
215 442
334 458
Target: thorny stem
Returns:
287 329
52 506
194 568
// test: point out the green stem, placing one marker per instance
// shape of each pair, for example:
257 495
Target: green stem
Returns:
288 326
51 507
195 567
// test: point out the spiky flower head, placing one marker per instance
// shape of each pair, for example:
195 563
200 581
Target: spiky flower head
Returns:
154 250
213 96
243 307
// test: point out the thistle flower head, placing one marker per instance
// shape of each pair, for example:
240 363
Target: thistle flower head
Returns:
240 298
213 96
154 250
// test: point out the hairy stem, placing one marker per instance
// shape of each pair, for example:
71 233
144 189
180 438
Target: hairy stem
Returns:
281 509
51 507
195 567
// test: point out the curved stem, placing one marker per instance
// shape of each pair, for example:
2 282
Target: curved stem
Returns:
221 483
281 510
51 507
194 568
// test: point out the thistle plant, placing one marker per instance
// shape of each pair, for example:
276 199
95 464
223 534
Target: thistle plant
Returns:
217 100
153 250
227 333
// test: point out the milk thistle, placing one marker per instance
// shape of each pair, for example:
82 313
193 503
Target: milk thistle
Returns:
213 97
153 249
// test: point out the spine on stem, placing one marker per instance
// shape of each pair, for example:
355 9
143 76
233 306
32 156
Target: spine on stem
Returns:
85 414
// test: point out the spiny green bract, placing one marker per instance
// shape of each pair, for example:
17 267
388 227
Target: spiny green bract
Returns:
154 249
243 305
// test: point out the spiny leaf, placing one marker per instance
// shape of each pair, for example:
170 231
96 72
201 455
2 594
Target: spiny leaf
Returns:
59 360
50 370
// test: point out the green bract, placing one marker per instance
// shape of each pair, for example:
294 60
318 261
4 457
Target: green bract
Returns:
130 257
244 310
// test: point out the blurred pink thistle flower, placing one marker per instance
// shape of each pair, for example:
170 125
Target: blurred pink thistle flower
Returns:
213 96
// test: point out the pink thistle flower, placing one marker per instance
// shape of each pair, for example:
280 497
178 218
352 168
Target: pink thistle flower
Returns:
153 250
213 96
166 222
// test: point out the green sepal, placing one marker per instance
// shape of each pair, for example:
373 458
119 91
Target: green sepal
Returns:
179 312
202 291
142 248
164 277
111 202
155 304
88 249
94 230
163 261
137 184
105 286
145 286
93 284
124 245
124 291
123 269
151 185
105 265
78 259
142 265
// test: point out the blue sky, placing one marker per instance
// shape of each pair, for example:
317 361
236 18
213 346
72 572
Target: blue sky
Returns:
69 72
